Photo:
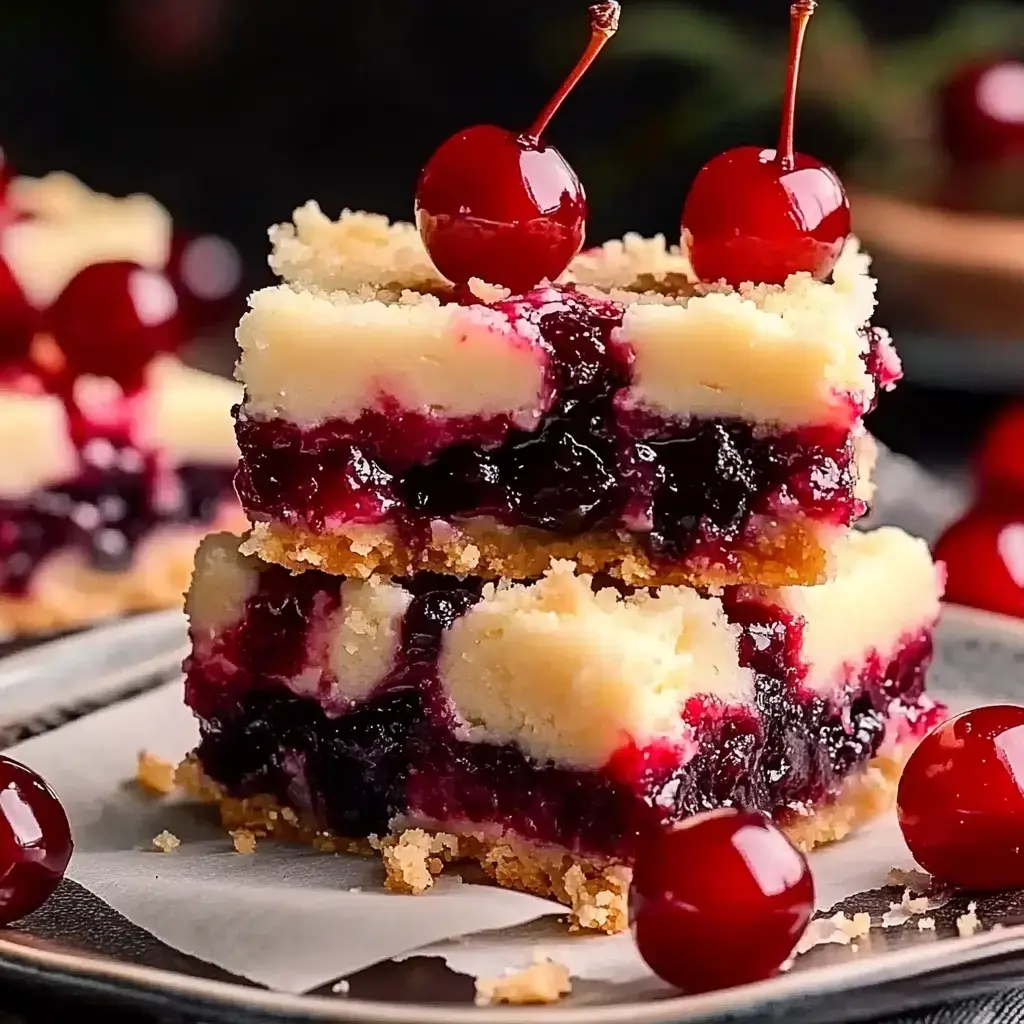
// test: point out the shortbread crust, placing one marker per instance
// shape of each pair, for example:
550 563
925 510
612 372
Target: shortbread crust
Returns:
595 892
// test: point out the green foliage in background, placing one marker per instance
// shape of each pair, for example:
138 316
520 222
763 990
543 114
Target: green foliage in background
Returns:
878 94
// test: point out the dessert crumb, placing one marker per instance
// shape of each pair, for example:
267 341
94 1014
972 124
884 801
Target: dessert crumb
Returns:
915 905
413 859
340 988
166 842
926 924
486 292
967 924
912 879
543 982
243 840
154 774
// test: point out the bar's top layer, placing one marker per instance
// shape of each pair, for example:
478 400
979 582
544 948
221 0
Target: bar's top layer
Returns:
66 227
363 320
574 673
183 413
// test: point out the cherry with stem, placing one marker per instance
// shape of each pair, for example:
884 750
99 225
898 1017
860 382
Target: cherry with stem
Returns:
503 206
760 215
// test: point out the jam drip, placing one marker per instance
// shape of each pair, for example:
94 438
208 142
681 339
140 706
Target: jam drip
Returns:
589 465
396 753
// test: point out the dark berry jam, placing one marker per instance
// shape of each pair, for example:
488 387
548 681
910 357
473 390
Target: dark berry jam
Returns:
396 752
589 465
118 497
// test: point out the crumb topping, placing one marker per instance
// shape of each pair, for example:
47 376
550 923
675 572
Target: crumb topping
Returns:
540 983
166 842
154 774
564 672
360 284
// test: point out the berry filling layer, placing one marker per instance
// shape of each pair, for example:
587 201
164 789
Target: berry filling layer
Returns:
105 513
566 711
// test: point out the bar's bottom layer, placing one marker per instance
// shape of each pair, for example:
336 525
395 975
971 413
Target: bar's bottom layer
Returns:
67 592
594 889
778 554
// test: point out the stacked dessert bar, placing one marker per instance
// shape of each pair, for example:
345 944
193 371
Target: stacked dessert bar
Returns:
531 574
115 457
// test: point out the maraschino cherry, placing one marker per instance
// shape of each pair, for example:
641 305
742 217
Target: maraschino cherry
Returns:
999 467
19 320
981 111
112 319
961 800
719 900
984 557
762 214
506 207
35 841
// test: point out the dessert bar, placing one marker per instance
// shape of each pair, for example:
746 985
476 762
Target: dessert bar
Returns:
628 417
115 457
539 727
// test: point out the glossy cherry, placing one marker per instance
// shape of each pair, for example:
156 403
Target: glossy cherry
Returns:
961 799
113 318
719 900
999 465
984 557
506 207
35 841
981 111
762 214
19 321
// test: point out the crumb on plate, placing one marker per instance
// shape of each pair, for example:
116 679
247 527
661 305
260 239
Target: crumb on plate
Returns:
154 774
243 840
340 988
912 879
544 982
926 924
967 924
166 842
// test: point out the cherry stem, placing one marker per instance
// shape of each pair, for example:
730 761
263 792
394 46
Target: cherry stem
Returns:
800 14
604 22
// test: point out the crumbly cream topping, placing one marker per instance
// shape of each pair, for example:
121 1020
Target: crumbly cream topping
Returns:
886 586
365 634
72 227
35 449
185 415
571 675
787 354
189 415
223 581
308 356
355 252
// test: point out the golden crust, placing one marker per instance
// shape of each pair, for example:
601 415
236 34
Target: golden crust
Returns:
65 593
792 555
595 891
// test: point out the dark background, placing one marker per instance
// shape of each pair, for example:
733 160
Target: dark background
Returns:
231 112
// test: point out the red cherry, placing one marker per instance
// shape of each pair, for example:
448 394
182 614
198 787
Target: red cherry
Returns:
1000 462
112 318
762 214
961 799
507 207
35 841
719 900
981 111
19 320
984 557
